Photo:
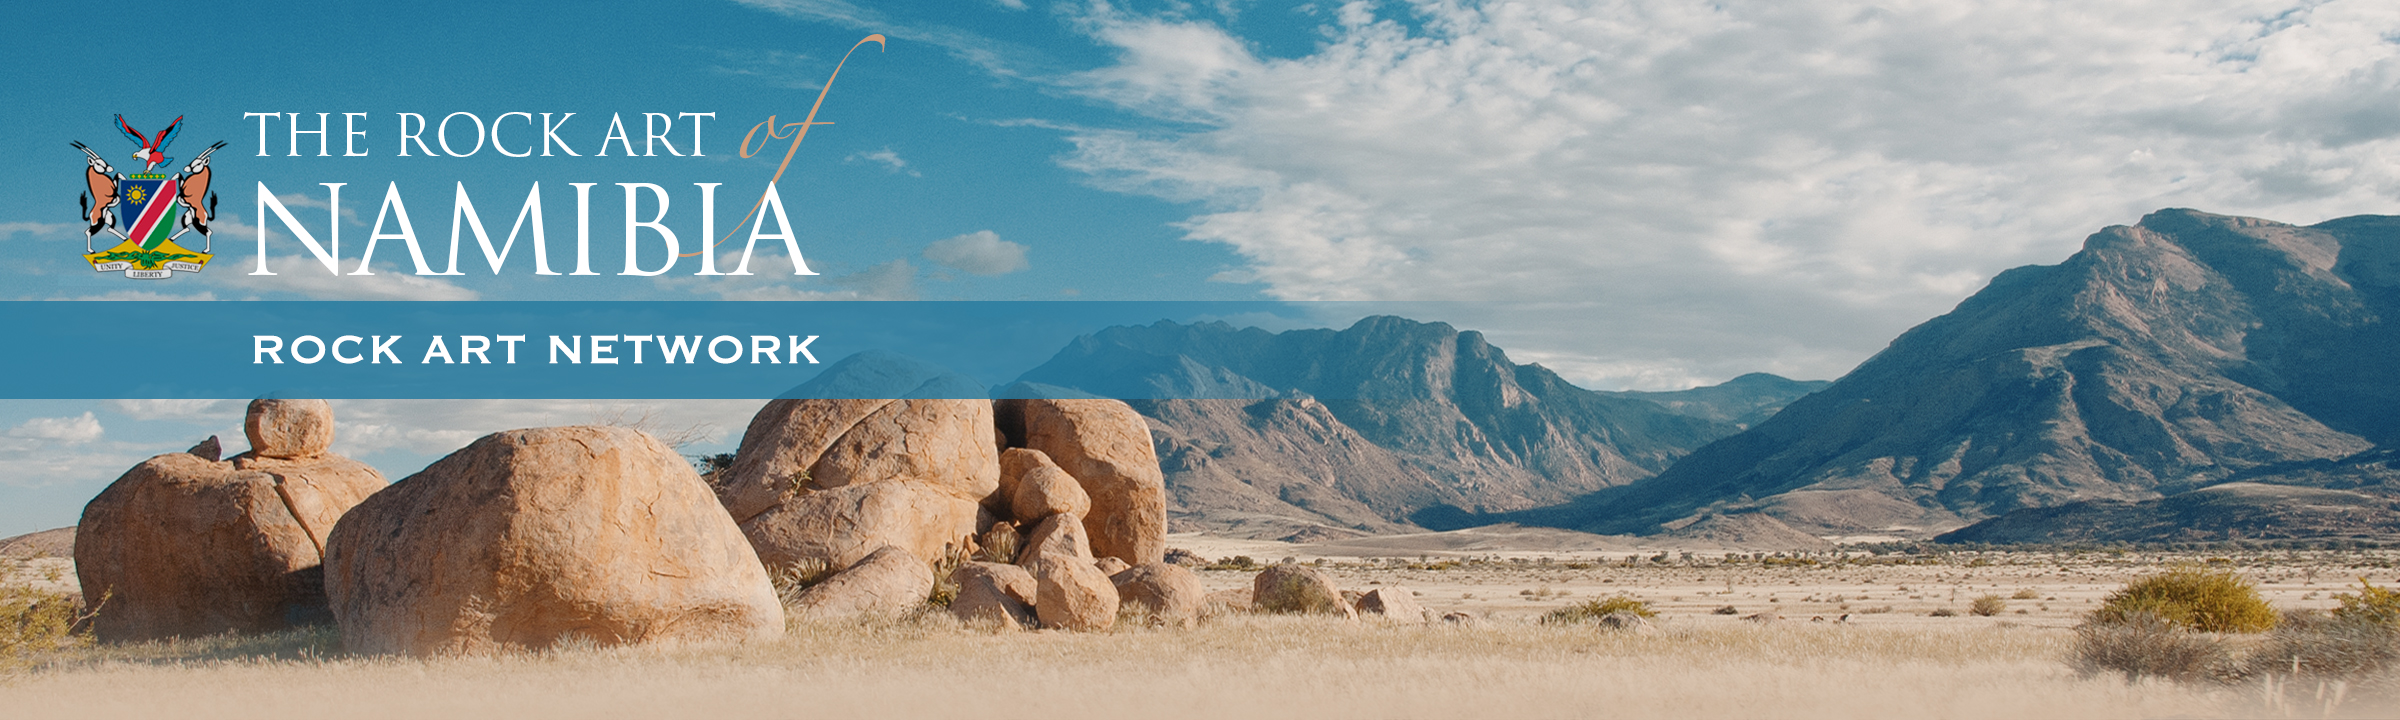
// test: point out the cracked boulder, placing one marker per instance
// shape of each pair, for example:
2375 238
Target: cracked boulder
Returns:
186 544
528 538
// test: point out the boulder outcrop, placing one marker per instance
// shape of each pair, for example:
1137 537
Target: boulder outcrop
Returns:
526 538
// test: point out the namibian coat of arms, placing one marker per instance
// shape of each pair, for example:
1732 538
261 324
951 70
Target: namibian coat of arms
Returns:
147 212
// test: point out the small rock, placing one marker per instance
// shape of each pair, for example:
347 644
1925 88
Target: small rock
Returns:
1058 535
1169 594
1185 558
1460 619
1291 588
1038 489
1110 566
289 428
994 591
1073 595
888 581
1394 603
209 450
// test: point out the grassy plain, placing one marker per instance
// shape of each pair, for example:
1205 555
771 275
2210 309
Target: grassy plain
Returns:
1900 662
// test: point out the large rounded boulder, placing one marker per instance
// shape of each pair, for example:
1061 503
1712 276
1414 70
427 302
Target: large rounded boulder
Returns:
185 545
530 537
837 479
1105 446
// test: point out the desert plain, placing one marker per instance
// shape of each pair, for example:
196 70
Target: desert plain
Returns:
1871 631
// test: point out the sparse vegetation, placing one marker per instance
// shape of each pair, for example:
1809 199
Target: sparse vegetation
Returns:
1237 562
2370 604
2027 594
2311 645
2142 645
1590 610
2190 597
1726 610
793 579
1988 606
1943 612
34 621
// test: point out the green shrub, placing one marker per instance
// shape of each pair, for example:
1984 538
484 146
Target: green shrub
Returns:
2143 645
2371 604
2190 597
1590 610
33 621
1988 606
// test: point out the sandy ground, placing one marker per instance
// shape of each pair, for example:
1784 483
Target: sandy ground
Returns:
1501 578
1891 657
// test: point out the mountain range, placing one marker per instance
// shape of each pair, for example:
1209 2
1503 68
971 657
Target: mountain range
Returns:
2193 376
1390 424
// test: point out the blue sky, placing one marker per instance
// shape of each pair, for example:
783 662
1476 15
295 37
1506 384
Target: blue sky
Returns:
1652 193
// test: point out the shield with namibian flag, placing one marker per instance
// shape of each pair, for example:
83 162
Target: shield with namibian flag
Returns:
148 202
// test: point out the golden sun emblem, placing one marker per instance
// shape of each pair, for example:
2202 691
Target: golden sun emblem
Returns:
136 194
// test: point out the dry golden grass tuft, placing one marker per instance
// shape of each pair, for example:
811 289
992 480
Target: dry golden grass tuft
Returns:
1238 665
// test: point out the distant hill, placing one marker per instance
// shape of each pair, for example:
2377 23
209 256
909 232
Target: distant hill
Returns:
59 543
1387 425
2091 398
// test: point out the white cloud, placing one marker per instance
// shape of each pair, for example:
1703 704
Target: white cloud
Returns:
981 252
439 427
304 275
70 430
770 279
891 161
180 409
1703 189
38 230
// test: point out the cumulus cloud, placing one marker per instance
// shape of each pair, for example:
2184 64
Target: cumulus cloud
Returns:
439 427
981 252
70 430
180 409
1690 190
891 161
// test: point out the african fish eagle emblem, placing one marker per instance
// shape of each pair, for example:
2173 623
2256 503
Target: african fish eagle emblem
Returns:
148 210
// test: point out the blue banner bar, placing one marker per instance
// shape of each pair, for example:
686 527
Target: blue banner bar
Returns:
565 350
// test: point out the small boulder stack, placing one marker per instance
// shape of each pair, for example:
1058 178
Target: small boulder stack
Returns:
186 544
527 538
1104 446
835 480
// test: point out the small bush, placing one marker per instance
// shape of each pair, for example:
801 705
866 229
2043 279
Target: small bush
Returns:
1988 606
793 579
2337 647
2026 595
1726 610
33 621
1237 562
1943 612
2190 597
1590 610
2370 604
2141 645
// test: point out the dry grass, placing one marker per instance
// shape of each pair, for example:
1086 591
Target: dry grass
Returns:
1245 666
1889 658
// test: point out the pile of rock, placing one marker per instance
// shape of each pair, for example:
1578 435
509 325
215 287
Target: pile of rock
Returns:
189 544
529 538
1294 588
879 491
